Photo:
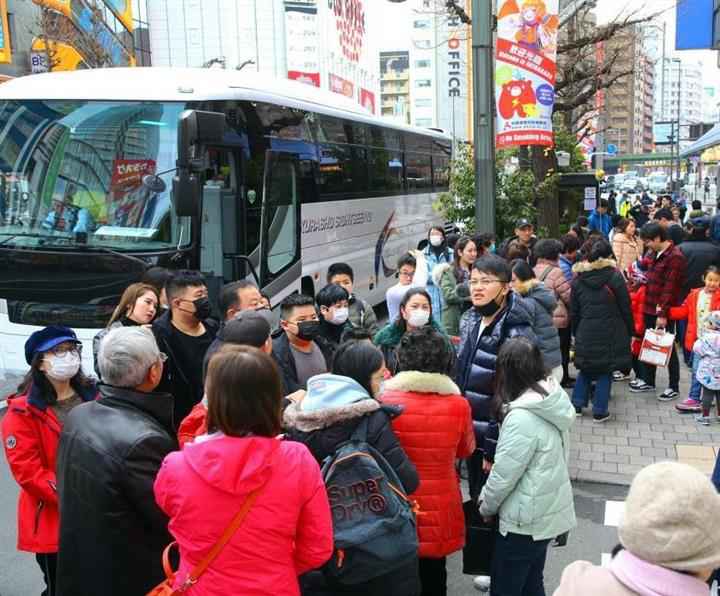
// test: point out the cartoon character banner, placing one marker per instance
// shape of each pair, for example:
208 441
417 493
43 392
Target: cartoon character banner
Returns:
525 71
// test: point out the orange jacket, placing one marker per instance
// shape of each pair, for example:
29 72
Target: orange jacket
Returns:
193 425
688 310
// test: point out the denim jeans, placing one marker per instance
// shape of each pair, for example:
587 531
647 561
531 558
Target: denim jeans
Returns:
602 391
695 386
518 566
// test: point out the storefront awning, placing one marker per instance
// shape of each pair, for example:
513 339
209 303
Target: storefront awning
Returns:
709 139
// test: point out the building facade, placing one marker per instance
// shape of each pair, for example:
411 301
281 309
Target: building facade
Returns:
628 103
325 43
681 95
438 50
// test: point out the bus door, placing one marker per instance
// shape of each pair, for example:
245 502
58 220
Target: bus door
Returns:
287 180
231 218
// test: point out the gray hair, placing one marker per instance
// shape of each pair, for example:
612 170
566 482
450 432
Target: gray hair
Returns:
125 356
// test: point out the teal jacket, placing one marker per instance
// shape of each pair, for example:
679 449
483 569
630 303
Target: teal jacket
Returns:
529 486
388 338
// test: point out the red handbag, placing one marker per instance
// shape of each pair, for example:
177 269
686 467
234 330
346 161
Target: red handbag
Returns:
166 587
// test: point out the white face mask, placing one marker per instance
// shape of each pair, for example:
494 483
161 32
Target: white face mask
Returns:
436 240
62 368
340 316
418 318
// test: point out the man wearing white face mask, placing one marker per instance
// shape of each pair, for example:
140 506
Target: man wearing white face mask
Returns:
334 309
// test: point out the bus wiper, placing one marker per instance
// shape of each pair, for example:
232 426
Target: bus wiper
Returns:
110 251
21 235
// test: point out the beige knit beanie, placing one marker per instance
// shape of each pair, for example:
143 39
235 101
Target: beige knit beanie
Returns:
672 518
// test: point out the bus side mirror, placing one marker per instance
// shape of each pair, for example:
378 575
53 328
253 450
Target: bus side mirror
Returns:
186 193
195 129
198 128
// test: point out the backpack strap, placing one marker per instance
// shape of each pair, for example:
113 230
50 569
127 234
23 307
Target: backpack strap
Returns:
361 430
545 273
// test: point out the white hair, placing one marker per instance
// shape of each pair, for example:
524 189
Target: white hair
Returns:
126 355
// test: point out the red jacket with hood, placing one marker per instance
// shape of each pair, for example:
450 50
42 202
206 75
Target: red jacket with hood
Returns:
434 429
688 310
286 533
31 432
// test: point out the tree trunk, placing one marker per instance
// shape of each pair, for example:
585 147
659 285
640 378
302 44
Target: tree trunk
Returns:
544 164
524 157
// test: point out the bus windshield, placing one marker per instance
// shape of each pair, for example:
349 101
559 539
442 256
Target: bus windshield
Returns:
71 173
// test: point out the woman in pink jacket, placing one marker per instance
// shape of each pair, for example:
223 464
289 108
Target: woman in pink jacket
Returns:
288 529
548 271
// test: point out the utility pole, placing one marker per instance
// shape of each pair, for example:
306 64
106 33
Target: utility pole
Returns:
484 114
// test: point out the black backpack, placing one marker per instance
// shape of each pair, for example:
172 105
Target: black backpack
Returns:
374 524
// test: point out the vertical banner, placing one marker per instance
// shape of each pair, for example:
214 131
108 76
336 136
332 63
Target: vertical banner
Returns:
5 54
525 71
303 55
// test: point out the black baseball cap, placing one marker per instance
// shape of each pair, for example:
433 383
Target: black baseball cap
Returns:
523 222
248 328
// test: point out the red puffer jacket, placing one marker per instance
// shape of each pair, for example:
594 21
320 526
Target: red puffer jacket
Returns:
434 429
31 432
688 310
194 425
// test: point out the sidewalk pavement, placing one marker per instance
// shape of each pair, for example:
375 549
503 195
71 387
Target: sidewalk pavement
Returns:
643 431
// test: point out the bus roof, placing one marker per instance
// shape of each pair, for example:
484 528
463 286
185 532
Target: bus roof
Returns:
190 84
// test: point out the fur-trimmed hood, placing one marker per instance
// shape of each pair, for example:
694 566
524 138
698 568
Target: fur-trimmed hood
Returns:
294 417
585 266
534 289
413 381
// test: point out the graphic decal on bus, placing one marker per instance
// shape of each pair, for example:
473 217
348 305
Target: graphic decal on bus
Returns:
387 232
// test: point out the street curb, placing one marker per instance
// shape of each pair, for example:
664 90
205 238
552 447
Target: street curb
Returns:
600 477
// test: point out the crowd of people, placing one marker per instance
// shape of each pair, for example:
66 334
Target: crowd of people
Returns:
320 455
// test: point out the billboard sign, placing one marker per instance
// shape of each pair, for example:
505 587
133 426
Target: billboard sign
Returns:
5 53
694 25
525 71
663 133
303 54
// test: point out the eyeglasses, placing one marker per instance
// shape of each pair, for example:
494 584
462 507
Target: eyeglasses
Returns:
162 357
62 350
484 282
406 273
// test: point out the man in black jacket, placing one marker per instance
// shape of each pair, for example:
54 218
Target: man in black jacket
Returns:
112 533
298 349
700 253
185 333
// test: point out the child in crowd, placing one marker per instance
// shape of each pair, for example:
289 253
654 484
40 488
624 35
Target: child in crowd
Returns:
707 351
361 313
696 309
637 283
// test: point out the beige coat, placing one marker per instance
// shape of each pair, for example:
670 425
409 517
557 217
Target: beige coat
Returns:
627 250
550 274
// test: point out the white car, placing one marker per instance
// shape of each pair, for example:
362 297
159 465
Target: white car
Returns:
630 184
657 183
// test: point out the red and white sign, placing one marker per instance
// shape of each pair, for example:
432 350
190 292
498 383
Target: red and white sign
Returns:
342 86
309 78
303 55
128 173
367 100
350 25
525 72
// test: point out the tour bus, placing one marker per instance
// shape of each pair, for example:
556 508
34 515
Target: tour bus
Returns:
105 173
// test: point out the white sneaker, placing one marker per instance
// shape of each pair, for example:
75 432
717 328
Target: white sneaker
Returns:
482 583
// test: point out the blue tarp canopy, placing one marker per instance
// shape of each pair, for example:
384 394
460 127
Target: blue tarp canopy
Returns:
710 139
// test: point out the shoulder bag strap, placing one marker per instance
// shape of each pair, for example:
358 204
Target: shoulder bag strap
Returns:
545 273
202 566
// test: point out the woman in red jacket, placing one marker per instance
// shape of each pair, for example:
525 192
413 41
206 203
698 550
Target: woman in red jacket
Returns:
31 429
288 529
434 429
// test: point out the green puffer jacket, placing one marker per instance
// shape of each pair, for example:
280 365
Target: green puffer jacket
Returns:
455 296
529 486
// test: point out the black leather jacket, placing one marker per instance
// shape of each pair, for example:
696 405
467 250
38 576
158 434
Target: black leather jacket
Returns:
112 532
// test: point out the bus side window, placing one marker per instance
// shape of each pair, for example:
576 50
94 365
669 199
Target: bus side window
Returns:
281 216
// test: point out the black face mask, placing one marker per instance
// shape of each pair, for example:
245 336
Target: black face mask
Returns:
489 309
202 308
308 330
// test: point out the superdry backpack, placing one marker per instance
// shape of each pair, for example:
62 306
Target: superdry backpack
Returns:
374 525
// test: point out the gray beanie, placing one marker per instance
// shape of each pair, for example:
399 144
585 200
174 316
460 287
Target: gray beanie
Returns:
672 518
